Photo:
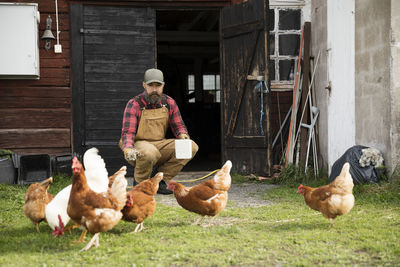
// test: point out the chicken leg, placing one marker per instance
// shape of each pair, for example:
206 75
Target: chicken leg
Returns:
139 227
81 239
37 227
94 240
198 221
211 220
70 227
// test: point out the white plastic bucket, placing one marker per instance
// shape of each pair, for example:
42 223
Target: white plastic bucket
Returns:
183 149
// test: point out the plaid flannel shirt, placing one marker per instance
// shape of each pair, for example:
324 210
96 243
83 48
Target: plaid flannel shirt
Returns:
133 112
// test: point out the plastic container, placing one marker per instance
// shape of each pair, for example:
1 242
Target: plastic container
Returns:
183 149
34 168
7 171
62 164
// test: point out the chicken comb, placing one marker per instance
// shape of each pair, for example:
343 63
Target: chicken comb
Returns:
59 230
301 186
60 221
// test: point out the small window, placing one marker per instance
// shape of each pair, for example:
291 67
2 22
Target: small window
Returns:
211 88
191 96
289 19
284 42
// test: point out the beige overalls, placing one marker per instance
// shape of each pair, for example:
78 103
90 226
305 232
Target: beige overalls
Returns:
154 149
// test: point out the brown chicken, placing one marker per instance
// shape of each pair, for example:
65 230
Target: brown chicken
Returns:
141 203
96 212
36 199
208 198
334 199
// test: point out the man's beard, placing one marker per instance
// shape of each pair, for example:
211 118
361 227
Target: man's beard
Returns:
153 98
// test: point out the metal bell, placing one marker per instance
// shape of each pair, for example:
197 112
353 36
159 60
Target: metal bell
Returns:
48 35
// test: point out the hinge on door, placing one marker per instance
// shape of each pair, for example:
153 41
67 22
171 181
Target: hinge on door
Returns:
255 78
262 81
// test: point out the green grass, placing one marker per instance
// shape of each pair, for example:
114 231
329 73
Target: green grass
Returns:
285 233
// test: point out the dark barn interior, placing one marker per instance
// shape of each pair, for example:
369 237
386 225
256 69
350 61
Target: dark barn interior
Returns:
188 54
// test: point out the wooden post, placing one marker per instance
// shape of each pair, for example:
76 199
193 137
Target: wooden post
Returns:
267 97
305 85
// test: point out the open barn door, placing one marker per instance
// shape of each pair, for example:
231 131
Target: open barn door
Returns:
245 129
111 48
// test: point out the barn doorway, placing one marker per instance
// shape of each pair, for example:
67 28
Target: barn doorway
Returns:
188 54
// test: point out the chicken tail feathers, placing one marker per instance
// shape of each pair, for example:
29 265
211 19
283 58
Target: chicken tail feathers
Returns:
345 169
95 170
118 188
223 178
111 179
344 181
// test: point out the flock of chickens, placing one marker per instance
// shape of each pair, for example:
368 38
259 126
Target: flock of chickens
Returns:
96 202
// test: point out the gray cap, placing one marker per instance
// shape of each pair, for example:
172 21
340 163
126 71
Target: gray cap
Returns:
153 76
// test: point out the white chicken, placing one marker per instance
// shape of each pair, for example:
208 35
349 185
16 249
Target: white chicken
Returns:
97 179
58 207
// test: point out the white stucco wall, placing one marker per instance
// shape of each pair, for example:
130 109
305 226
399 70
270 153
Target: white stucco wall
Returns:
360 54
372 65
395 84
319 45
341 100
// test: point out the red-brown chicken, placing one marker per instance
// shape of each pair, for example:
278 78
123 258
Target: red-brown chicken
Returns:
36 199
141 203
209 197
333 199
96 176
95 212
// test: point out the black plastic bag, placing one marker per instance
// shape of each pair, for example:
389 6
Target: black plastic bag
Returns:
360 175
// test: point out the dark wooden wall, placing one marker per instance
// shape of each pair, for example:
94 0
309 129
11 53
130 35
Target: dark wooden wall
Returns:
35 115
285 102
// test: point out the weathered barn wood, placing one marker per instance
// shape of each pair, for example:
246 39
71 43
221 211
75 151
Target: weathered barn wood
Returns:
112 45
35 138
35 115
304 93
108 47
35 118
243 52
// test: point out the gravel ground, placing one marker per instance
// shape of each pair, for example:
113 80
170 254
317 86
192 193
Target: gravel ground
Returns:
240 195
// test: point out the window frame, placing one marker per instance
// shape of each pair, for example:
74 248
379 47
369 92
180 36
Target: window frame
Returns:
276 83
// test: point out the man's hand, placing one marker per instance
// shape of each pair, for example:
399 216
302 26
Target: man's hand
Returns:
183 136
131 154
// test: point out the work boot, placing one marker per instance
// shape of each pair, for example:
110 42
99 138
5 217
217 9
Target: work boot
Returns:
163 189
